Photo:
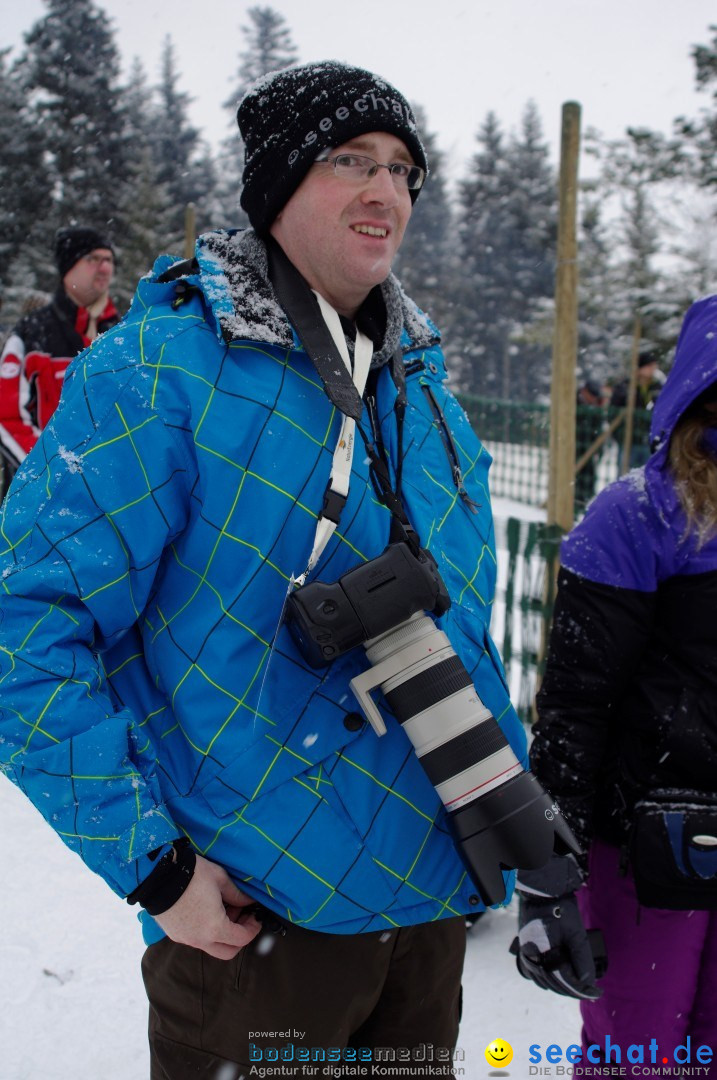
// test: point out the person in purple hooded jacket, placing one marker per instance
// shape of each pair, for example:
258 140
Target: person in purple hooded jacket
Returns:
628 705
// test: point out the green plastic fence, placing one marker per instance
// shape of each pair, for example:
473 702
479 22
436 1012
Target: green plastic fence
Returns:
533 550
517 435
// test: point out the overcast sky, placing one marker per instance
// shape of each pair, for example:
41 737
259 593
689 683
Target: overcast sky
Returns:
626 61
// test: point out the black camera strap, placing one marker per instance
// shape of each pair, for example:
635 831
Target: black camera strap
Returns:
390 495
302 308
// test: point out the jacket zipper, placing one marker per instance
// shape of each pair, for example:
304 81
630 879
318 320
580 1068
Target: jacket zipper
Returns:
373 417
450 448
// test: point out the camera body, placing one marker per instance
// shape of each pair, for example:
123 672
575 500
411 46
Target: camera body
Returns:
327 620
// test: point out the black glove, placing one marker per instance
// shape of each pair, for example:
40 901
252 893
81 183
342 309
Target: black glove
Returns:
552 947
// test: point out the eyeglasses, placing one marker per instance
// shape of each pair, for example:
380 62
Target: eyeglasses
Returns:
357 167
97 260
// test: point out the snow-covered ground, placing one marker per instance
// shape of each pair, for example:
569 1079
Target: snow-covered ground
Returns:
72 1003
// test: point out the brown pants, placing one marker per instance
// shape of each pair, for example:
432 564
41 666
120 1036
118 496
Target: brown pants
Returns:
286 1006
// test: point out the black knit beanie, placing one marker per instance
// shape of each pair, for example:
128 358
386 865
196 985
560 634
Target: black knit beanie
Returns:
74 242
288 117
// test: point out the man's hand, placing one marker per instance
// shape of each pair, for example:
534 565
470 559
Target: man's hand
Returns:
552 946
209 914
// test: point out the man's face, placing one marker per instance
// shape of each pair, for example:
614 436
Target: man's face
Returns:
90 277
342 235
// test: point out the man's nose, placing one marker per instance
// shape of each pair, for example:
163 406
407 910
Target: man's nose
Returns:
381 188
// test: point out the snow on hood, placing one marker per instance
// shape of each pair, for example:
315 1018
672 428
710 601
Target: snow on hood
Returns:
234 277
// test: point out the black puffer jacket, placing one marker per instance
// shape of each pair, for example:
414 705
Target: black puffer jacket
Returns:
59 327
629 699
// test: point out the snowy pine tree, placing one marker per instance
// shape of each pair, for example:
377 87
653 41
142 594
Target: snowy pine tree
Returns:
145 203
24 183
534 209
701 132
533 224
182 163
139 110
149 220
268 48
480 338
603 307
507 235
425 262
70 69
636 174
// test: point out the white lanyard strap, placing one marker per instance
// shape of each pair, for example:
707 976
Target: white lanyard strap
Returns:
344 452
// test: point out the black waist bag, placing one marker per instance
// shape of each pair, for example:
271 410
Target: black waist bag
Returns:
673 850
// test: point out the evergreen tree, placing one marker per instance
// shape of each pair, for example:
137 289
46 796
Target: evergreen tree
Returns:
696 210
25 186
604 309
692 241
507 236
268 48
139 111
149 218
660 254
70 68
479 334
635 176
182 167
31 276
533 207
425 261
145 204
701 133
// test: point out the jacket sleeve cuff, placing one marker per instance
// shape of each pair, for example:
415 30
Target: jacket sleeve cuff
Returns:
168 880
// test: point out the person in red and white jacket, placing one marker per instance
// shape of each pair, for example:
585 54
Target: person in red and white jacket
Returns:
44 341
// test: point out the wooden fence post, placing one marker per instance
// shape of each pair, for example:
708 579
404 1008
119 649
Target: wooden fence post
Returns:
630 403
190 230
561 478
561 461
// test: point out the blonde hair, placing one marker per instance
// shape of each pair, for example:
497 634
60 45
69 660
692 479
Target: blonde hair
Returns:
694 470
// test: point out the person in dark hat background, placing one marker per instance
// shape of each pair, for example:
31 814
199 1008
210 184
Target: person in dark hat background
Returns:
43 342
299 890
649 383
589 421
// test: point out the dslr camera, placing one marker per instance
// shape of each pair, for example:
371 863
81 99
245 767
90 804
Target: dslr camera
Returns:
499 815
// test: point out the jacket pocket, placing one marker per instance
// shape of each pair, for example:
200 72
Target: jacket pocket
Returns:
312 735
279 825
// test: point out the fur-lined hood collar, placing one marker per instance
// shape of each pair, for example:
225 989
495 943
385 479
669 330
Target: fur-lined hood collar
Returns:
235 280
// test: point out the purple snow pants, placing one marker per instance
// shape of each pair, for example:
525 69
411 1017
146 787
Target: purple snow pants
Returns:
661 981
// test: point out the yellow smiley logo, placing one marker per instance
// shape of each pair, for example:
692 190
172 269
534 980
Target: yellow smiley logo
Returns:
499 1052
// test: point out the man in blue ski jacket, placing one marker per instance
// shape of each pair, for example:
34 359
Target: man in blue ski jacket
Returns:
155 705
